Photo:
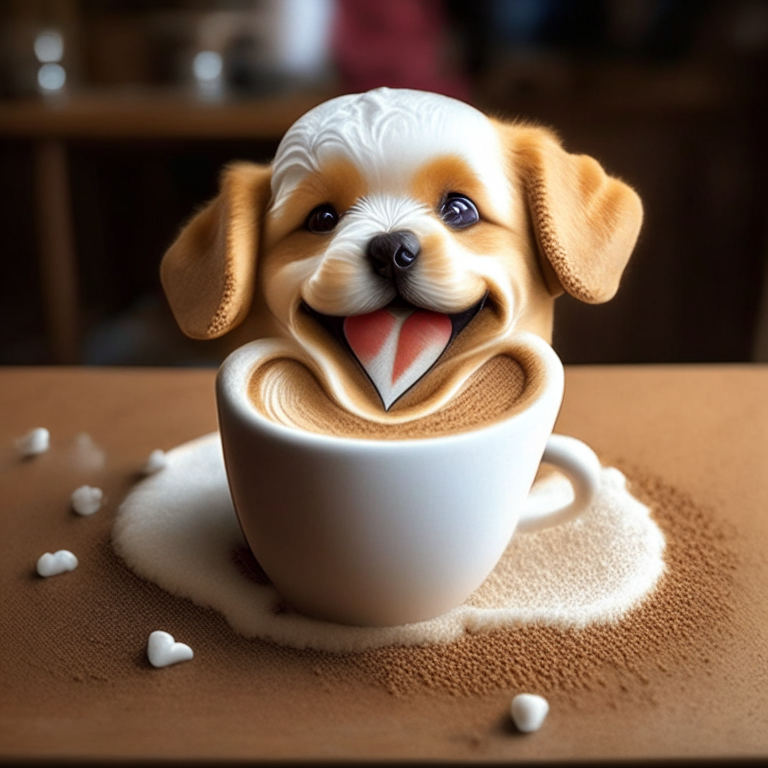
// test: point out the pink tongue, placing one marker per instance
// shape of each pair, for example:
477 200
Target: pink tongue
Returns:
366 334
397 346
422 331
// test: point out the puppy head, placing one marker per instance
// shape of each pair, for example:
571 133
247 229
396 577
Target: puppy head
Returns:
400 238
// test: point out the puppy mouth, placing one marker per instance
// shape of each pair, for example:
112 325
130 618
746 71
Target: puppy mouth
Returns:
397 345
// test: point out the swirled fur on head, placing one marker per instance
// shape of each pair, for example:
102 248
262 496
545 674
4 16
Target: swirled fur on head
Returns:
388 134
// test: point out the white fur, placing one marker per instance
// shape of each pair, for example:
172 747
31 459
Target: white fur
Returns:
388 135
364 291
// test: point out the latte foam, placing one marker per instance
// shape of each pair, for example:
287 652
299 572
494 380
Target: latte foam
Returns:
287 392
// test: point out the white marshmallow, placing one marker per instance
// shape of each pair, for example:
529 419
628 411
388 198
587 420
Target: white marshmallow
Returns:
529 712
86 500
157 460
56 563
163 650
34 442
86 455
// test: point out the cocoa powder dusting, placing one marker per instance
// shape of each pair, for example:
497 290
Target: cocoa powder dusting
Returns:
678 628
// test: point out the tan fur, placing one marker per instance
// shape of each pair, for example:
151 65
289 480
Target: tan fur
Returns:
339 184
571 228
436 178
208 274
586 222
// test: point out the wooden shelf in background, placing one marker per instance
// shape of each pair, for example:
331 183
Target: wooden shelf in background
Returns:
117 115
152 115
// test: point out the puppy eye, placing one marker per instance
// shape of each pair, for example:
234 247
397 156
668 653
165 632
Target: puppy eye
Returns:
322 219
459 212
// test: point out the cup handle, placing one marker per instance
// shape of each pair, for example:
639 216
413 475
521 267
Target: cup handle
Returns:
578 462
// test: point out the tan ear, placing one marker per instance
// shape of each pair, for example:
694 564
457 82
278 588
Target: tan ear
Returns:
208 274
586 222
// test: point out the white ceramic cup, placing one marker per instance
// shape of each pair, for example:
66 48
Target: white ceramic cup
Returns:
388 532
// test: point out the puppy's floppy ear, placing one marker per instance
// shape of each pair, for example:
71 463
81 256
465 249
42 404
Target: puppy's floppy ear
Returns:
209 272
586 222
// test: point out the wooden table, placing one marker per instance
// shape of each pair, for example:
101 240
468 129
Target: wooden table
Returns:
701 429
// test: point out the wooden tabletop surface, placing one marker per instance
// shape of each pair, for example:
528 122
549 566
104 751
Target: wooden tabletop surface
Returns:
701 429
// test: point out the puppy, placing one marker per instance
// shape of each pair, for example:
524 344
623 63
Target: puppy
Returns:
399 240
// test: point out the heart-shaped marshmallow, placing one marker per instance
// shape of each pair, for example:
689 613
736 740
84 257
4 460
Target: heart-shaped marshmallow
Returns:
33 443
86 500
157 460
529 712
396 346
163 650
56 563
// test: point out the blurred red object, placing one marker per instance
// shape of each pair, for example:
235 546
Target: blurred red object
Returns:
395 43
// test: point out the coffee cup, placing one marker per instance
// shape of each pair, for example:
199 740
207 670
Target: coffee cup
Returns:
381 525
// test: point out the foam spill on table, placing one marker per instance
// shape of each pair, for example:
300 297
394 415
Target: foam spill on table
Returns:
178 529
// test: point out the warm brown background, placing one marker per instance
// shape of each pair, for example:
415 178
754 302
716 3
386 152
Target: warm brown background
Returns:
76 683
668 94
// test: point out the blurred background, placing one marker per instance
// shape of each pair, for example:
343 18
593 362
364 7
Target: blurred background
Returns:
116 117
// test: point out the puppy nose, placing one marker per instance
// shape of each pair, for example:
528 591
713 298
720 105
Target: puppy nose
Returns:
392 253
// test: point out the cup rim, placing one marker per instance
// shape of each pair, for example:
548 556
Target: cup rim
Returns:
241 363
